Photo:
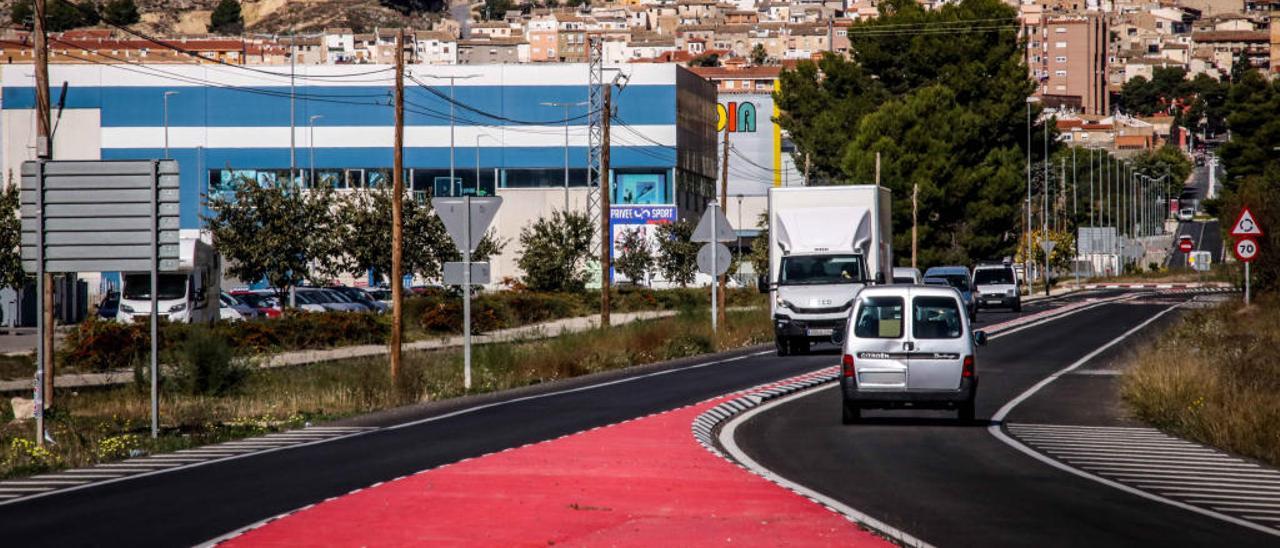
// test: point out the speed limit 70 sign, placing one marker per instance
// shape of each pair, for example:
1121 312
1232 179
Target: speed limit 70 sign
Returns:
1246 249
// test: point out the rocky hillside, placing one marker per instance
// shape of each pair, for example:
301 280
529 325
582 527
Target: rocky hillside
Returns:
271 16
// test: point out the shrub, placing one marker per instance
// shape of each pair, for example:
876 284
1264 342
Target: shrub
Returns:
205 367
677 254
555 251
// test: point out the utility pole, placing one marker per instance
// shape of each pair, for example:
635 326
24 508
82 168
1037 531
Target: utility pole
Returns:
293 112
606 187
44 151
397 217
724 204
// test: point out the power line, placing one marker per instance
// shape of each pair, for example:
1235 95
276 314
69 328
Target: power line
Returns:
486 114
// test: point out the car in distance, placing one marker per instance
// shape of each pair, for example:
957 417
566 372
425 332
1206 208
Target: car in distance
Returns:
959 278
909 347
996 286
264 303
907 275
361 297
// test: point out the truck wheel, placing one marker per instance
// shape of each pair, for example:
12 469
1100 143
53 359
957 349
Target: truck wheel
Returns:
782 347
800 346
850 413
967 411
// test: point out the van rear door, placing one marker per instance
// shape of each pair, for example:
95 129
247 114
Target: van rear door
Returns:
878 328
938 343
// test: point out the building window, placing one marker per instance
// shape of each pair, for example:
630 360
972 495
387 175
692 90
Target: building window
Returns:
1060 73
1061 59
1059 44
1060 30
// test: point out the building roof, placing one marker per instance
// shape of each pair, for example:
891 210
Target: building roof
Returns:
1211 36
718 73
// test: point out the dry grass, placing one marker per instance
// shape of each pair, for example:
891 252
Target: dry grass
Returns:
103 425
1215 378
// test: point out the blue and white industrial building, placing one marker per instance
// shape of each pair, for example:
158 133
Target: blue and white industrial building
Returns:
227 122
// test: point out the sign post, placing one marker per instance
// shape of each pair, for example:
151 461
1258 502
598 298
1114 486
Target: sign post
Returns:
100 216
1247 231
1047 245
714 258
463 218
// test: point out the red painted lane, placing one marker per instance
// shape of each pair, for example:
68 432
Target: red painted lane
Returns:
644 482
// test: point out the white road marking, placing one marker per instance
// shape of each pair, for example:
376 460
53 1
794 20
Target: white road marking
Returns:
1131 467
731 446
1180 449
1168 460
1264 518
997 420
1115 449
19 483
1237 490
1220 478
26 489
1193 495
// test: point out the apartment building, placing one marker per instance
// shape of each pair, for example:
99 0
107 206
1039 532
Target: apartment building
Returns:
1067 56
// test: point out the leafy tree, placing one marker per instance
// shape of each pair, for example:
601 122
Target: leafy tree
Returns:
11 273
120 12
759 255
1240 66
495 9
556 251
635 258
758 55
1255 130
226 18
365 233
410 7
1167 159
820 105
677 253
706 60
23 13
1063 249
275 233
59 16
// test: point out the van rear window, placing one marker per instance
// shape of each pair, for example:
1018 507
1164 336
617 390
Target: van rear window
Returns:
935 318
879 318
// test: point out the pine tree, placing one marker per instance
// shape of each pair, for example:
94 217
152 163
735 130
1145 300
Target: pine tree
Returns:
120 12
226 18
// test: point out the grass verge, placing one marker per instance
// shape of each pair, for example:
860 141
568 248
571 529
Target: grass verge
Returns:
112 423
1214 378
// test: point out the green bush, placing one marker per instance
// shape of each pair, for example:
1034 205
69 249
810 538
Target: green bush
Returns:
205 367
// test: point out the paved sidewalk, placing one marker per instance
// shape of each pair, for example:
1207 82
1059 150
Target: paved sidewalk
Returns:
301 357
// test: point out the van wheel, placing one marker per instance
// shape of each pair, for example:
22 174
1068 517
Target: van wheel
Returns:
967 411
850 413
782 347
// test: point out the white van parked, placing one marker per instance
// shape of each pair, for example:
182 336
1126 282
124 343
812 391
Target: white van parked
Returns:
189 295
909 347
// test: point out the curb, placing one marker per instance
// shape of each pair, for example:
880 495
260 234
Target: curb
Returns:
704 426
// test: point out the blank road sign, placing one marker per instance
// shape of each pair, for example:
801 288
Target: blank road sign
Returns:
453 273
99 215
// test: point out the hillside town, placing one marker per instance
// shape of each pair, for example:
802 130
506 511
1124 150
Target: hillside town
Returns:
1081 54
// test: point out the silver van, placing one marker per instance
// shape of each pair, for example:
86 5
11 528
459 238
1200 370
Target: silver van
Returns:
909 347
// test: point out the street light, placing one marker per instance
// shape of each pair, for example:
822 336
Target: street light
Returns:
452 81
311 140
478 136
566 144
1026 273
167 94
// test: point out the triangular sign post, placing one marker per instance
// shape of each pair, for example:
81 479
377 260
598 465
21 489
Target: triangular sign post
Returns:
714 226
453 213
1246 225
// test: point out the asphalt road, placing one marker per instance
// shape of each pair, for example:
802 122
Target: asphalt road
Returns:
1207 235
192 505
954 484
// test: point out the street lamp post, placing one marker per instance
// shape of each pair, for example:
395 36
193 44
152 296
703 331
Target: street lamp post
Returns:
478 136
311 140
452 118
1026 273
167 94
566 144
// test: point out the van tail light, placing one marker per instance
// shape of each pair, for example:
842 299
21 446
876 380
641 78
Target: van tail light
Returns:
967 372
848 365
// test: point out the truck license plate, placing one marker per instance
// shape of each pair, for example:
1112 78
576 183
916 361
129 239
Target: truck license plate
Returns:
819 332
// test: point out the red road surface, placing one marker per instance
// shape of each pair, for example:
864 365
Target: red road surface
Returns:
644 482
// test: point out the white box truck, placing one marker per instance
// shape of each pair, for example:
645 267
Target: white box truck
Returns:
825 243
190 295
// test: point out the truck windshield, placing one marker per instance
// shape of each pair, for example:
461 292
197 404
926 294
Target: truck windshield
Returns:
993 276
138 286
821 269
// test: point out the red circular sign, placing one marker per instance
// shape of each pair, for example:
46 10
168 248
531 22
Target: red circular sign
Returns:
1186 245
1246 249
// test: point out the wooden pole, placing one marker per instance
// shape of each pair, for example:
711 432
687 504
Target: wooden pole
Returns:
44 151
397 220
724 204
606 187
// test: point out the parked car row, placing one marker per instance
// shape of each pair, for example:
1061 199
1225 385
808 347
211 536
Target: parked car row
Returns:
252 304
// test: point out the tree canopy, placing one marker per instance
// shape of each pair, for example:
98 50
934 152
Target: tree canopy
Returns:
226 18
946 112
